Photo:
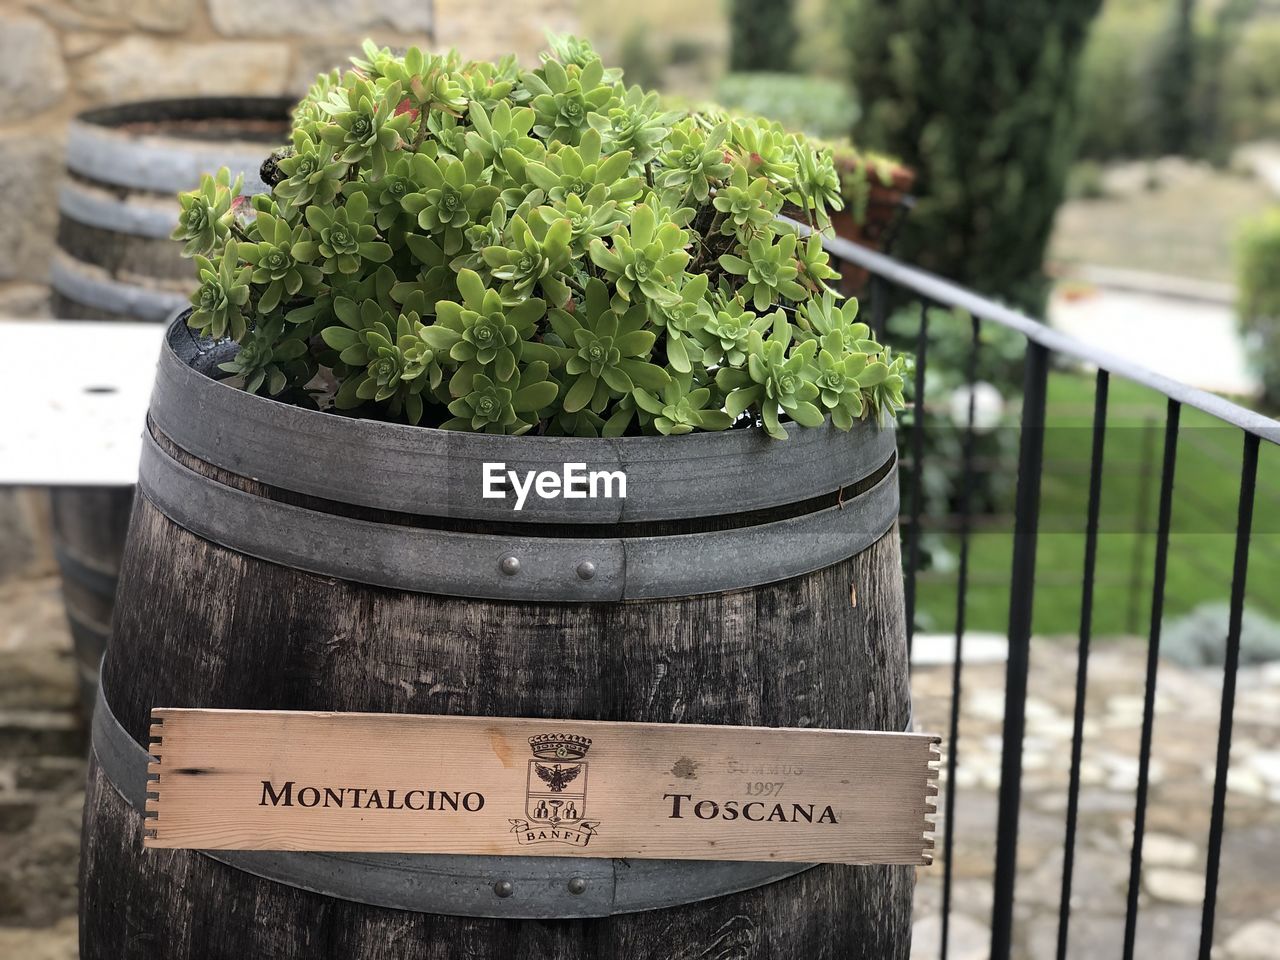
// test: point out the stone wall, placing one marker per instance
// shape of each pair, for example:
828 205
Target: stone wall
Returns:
58 57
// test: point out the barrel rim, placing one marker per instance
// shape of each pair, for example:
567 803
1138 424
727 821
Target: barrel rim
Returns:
99 150
431 472
510 566
229 107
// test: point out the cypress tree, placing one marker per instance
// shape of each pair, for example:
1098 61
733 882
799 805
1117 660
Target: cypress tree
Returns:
1173 85
762 35
979 98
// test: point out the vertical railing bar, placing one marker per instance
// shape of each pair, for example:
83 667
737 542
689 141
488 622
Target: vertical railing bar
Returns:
917 472
1101 389
1244 530
1021 595
1138 559
1172 417
962 586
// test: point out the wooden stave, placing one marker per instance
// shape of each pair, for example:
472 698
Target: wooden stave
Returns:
140 678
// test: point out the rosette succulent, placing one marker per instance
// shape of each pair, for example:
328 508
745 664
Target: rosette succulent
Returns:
645 260
282 261
606 351
364 123
565 95
204 217
472 246
217 304
769 272
694 160
679 409
538 254
346 237
776 380
312 175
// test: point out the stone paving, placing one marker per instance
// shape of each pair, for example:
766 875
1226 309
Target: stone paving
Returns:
41 775
41 771
1181 781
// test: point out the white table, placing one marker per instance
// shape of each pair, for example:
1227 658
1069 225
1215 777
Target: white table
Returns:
74 400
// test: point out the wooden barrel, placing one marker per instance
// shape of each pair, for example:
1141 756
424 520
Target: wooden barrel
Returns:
89 526
114 261
281 558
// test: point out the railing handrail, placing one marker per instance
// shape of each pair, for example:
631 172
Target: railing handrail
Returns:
945 293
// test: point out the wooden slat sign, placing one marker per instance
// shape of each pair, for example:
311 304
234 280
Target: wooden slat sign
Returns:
275 780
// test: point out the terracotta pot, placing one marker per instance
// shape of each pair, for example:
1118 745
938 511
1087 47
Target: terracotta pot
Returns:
886 204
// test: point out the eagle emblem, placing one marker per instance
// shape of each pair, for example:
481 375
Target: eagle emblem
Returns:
556 793
557 777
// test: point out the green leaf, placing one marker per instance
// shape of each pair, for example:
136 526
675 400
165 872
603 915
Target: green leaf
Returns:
347 311
541 176
637 344
805 414
647 375
677 355
874 374
339 337
535 397
580 393
471 287
346 398
647 402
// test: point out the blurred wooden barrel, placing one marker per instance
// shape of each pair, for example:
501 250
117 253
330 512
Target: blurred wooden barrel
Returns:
114 261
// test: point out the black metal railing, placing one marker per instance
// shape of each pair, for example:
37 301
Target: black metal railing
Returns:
896 282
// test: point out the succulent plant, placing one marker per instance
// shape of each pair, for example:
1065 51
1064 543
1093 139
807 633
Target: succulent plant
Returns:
565 95
679 409
776 380
748 207
203 216
282 261
769 272
365 124
693 159
475 247
271 355
218 303
607 351
646 260
312 175
536 257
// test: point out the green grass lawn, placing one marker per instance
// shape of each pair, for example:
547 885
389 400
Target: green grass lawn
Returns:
1203 530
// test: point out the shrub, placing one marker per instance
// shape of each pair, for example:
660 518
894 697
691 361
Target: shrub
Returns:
1199 639
818 107
1115 95
978 100
762 34
477 247
1251 83
1258 281
1158 78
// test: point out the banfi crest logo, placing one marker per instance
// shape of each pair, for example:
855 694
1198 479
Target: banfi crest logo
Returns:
555 803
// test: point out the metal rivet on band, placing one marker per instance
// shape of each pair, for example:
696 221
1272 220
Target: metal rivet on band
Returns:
586 570
577 886
510 565
504 888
